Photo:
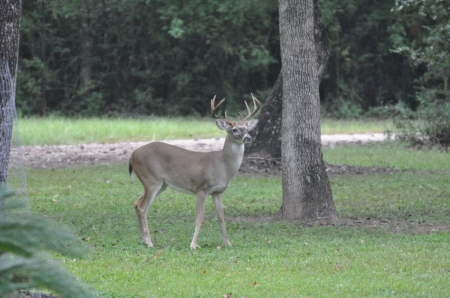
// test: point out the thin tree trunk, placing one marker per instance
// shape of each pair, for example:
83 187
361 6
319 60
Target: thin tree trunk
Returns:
85 48
306 189
9 49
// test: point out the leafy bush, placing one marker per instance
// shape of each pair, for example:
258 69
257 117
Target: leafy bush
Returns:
431 52
429 125
23 261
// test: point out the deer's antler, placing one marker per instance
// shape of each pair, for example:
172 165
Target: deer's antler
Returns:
214 107
256 105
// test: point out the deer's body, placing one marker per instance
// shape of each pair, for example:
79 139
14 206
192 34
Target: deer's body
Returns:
169 165
158 165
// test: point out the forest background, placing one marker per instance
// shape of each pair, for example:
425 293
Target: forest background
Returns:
168 58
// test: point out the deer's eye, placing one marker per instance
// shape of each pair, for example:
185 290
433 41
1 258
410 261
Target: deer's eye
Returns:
235 130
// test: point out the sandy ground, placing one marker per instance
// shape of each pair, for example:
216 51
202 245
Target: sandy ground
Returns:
94 154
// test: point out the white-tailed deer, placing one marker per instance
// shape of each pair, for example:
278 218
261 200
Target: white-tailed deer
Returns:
158 165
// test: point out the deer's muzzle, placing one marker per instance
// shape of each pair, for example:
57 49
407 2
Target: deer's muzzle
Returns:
247 138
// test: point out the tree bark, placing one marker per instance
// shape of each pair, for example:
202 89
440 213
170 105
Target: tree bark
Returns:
85 48
307 193
267 135
9 49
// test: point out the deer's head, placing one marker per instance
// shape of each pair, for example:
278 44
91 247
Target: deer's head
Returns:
237 129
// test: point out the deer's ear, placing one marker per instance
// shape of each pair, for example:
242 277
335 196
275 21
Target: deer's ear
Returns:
252 124
223 125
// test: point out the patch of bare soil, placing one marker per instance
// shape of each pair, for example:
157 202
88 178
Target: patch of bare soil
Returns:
63 156
397 225
28 294
264 164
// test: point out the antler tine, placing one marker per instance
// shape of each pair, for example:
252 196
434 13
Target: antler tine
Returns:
248 111
227 120
256 105
214 107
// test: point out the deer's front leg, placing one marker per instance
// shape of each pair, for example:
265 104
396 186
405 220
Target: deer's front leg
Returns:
217 198
201 198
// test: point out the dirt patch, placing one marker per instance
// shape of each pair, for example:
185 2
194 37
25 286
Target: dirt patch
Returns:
264 164
65 156
396 225
28 294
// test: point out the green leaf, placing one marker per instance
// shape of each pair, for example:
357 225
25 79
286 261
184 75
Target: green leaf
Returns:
10 247
9 261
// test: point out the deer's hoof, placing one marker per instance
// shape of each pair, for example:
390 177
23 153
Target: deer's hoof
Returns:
194 246
148 243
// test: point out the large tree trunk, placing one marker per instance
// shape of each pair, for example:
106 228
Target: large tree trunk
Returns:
306 189
9 49
267 135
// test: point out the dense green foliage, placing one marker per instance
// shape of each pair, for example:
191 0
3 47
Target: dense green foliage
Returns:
23 265
145 57
432 51
362 71
95 58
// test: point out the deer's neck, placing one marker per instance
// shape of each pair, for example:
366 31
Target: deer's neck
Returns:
232 154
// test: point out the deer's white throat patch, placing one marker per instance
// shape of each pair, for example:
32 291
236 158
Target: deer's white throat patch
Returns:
238 149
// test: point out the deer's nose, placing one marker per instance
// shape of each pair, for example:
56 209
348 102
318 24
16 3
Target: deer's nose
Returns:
247 138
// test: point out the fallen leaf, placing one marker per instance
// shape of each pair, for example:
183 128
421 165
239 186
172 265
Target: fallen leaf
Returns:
158 253
254 283
228 295
337 267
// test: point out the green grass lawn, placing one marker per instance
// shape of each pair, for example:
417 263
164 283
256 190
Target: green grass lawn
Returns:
268 258
54 131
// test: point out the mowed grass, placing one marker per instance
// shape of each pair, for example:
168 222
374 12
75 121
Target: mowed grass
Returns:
55 131
334 126
268 258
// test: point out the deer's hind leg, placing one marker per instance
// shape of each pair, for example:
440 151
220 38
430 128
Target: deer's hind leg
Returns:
141 207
